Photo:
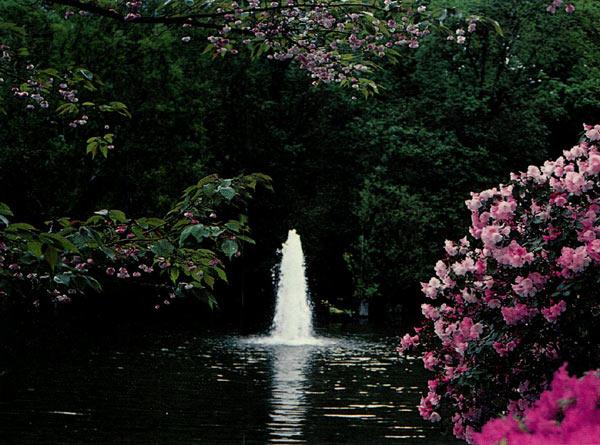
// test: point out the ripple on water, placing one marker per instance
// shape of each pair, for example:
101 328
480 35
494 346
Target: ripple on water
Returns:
222 389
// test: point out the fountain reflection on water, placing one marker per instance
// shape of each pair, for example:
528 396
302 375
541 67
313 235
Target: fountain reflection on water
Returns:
293 340
289 387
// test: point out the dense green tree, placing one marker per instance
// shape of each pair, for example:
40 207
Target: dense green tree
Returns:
457 120
381 180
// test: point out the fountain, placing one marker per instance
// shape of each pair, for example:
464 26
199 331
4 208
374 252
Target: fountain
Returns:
292 323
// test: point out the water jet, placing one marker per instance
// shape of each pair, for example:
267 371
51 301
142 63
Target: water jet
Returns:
292 322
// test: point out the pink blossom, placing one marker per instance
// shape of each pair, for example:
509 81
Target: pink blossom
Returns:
576 183
575 260
535 174
428 404
440 269
593 165
504 210
409 342
474 203
503 349
430 361
519 313
517 264
514 255
593 249
592 133
429 311
131 16
450 248
551 314
492 235
524 287
469 296
567 413
431 289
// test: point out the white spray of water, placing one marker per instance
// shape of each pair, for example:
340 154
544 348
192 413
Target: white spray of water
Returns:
293 315
292 323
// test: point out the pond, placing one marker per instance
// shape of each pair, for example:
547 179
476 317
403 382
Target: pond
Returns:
181 385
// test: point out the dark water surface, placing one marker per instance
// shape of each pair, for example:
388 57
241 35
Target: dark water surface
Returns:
179 386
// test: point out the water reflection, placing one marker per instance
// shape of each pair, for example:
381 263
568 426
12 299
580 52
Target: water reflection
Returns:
172 387
288 394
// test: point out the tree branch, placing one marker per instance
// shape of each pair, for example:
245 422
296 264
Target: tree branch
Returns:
193 18
92 8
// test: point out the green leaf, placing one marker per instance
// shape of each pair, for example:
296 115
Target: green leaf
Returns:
234 226
198 231
51 256
22 226
35 247
61 240
93 283
109 253
5 210
163 248
494 24
4 220
63 278
221 273
137 231
67 108
145 223
209 189
245 238
87 74
227 193
229 247
174 274
163 4
209 280
92 148
118 216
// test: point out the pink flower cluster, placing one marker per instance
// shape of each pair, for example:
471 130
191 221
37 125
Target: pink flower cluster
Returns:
557 3
567 413
516 297
303 33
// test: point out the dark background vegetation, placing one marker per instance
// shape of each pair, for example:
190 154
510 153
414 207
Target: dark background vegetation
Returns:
373 186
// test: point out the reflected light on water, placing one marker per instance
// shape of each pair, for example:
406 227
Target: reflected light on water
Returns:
289 389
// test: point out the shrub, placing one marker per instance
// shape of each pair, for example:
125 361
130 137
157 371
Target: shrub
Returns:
178 255
518 295
567 413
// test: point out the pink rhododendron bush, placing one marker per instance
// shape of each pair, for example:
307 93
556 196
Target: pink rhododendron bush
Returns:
518 296
567 413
